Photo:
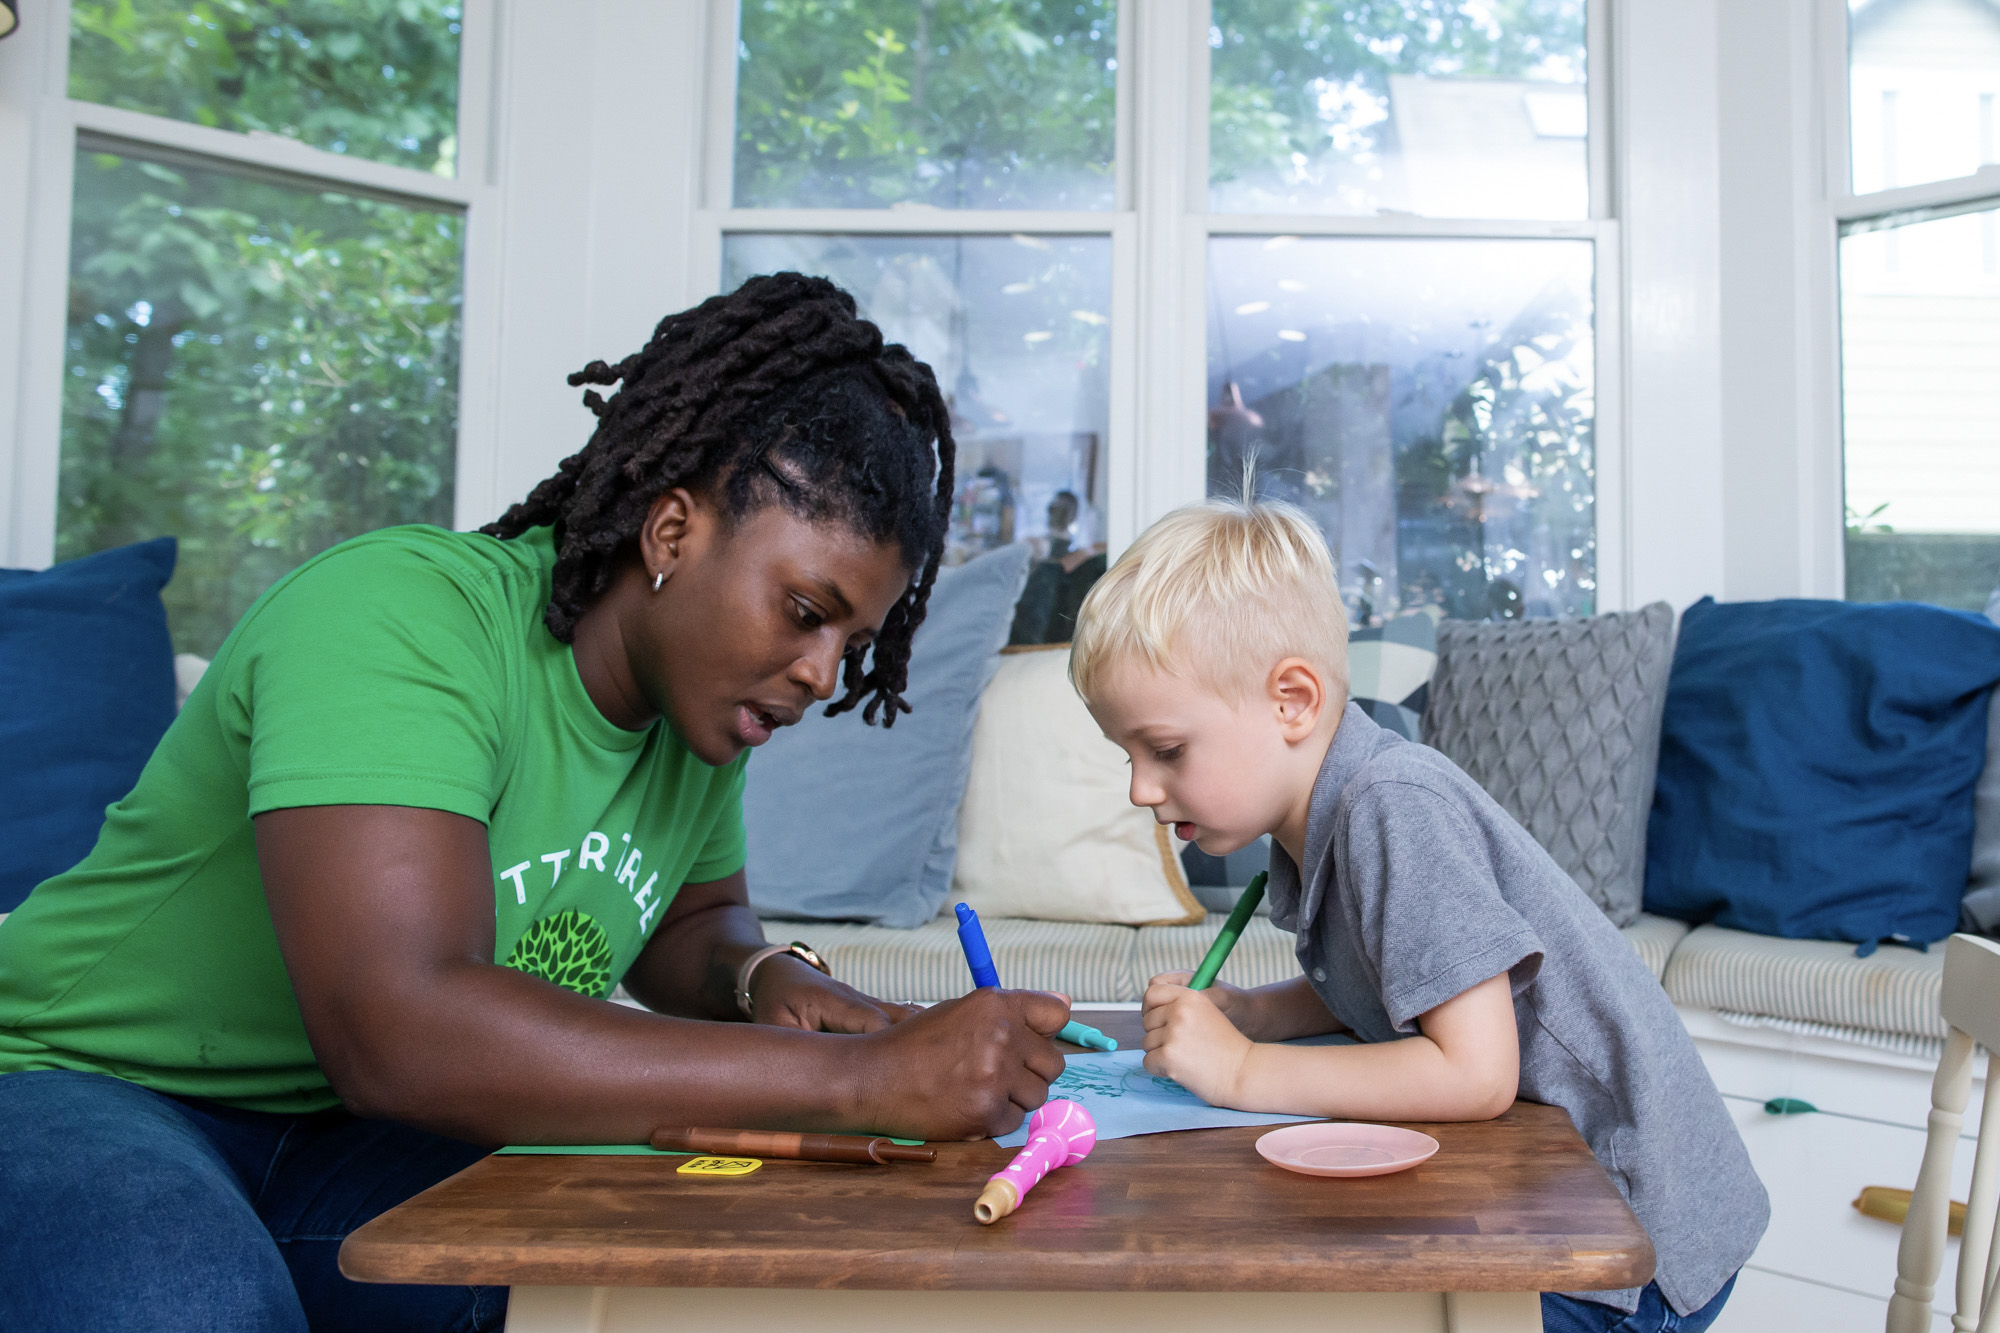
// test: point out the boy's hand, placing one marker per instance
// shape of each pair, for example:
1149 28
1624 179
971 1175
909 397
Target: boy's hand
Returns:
1192 1041
1240 1006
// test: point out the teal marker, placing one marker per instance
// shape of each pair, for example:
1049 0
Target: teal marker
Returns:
1082 1034
1232 930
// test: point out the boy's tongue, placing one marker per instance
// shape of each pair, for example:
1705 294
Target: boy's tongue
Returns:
1184 830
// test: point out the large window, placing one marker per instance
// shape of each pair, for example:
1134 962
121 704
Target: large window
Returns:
953 164
265 280
1429 398
1141 242
1919 256
1387 256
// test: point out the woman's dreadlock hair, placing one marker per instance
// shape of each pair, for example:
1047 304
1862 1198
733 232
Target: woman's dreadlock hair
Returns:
776 393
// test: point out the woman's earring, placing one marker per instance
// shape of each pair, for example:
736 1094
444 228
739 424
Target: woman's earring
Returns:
658 579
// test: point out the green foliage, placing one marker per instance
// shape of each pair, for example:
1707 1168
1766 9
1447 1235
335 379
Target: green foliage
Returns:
957 103
259 371
376 78
569 949
1288 76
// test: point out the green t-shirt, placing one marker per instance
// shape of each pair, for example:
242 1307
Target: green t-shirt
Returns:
406 667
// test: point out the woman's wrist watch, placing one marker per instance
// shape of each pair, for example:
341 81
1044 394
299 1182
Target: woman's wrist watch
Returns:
803 952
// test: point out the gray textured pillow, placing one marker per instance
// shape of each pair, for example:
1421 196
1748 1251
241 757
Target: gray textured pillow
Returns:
848 822
1559 720
1981 909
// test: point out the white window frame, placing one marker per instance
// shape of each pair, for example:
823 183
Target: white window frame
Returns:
41 131
1159 228
1837 206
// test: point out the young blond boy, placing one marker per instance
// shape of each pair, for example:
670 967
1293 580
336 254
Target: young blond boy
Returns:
1467 967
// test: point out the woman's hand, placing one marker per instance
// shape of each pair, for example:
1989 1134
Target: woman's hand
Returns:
1192 1040
968 1068
787 992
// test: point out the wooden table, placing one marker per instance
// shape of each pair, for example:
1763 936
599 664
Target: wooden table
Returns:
1192 1230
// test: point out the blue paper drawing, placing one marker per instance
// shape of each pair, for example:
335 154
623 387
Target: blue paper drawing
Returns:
1126 1101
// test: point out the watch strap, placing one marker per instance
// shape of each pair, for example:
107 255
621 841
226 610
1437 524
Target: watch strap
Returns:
797 949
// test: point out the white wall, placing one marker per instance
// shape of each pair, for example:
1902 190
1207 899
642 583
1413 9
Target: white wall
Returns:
597 166
1781 509
1669 201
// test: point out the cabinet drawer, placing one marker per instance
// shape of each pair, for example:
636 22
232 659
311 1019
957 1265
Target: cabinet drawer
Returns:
1813 1166
1766 1302
1870 1090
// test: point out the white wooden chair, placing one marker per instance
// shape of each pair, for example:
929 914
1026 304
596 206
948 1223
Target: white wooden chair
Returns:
1972 1008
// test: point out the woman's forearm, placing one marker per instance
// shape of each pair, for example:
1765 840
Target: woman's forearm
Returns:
501 1056
689 968
384 916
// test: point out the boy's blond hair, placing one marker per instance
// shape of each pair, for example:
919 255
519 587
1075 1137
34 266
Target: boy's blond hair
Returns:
1218 593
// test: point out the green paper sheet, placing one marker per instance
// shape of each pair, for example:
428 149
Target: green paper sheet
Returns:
615 1149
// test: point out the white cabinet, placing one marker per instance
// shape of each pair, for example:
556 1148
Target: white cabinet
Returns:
1822 1265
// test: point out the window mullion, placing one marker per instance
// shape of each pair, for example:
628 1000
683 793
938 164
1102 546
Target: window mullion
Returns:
718 164
478 42
28 486
1169 176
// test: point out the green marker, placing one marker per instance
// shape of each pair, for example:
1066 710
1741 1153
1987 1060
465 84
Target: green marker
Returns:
1232 930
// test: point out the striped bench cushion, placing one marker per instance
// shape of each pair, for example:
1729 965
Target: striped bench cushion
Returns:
1818 981
1265 954
1092 964
1655 937
1088 963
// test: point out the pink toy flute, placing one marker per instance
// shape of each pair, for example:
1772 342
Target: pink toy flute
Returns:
1060 1134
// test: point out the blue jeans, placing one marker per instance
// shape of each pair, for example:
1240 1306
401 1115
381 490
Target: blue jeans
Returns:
1566 1314
125 1208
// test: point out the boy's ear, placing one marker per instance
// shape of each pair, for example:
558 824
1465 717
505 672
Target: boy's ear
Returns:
1299 694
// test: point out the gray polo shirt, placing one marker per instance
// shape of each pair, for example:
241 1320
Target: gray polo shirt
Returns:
1417 887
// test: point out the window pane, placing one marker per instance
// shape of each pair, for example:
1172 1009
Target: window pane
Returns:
953 103
1444 108
1920 383
257 370
1429 402
1018 331
375 78
1922 80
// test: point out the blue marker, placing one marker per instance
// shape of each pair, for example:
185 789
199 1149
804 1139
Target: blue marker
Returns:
977 956
980 959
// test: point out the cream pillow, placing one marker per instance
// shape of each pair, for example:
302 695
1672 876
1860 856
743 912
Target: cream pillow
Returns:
1046 829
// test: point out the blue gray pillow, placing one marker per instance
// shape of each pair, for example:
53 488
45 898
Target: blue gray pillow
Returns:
1817 767
1389 669
86 692
848 822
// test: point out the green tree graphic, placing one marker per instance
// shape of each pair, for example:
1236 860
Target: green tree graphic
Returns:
570 949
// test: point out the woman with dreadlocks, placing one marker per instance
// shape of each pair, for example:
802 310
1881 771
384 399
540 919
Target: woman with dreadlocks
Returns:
437 794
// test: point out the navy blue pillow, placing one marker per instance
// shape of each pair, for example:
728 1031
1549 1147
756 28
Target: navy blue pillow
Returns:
1817 764
86 692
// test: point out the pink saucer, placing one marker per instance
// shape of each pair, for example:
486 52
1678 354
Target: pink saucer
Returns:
1345 1150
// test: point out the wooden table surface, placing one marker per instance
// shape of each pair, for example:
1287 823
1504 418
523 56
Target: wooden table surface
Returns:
1512 1204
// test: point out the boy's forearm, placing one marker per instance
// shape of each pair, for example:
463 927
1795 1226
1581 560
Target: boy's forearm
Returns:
1412 1079
1288 1009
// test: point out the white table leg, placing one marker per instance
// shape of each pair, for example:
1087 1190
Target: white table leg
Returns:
705 1309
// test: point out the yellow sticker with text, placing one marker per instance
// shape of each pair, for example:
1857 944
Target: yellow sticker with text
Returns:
718 1166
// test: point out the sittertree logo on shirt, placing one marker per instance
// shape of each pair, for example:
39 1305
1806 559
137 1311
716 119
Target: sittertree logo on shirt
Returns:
569 949
591 856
